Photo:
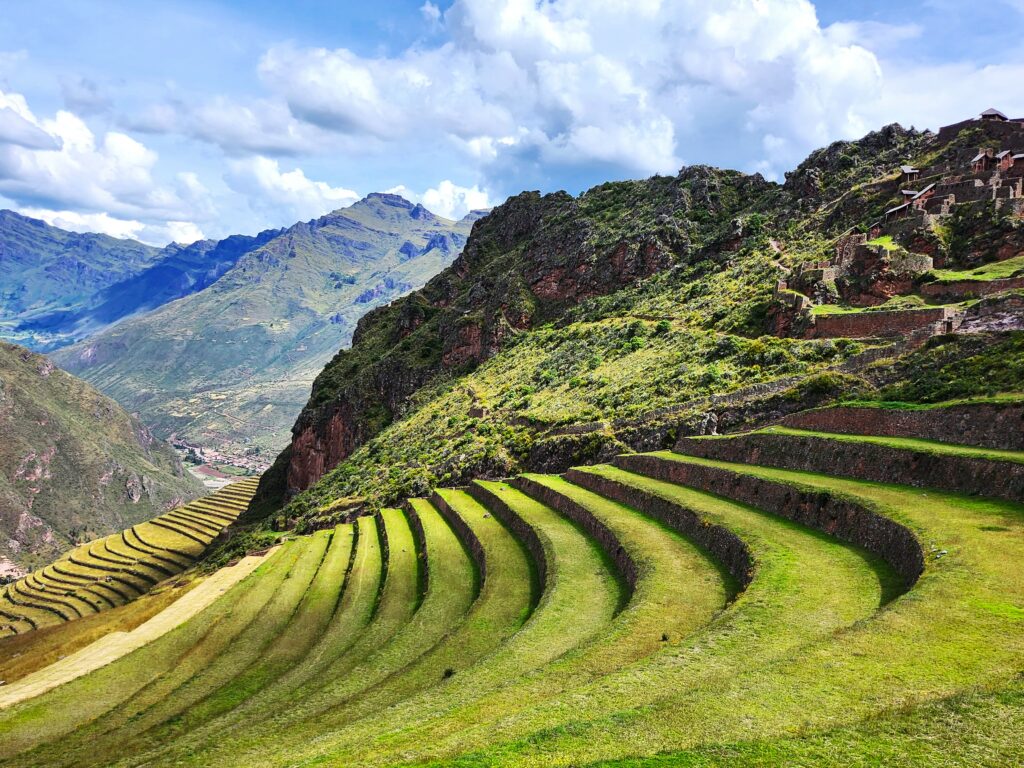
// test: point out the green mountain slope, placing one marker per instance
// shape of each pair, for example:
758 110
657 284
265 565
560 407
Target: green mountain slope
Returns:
73 464
571 329
44 270
229 367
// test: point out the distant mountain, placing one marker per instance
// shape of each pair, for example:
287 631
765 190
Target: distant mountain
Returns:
45 270
73 464
60 287
229 367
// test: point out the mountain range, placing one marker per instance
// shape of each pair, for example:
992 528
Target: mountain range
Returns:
228 364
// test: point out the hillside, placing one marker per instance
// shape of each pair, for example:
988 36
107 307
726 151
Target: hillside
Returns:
775 512
73 464
46 271
61 287
571 329
229 367
776 597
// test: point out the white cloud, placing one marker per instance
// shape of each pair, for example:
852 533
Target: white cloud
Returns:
18 126
607 82
59 168
183 232
447 199
431 13
285 196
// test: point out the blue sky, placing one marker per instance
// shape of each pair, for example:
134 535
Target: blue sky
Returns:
176 120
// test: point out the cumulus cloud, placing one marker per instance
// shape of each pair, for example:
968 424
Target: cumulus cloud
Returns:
262 126
575 82
183 232
447 199
285 196
58 167
19 127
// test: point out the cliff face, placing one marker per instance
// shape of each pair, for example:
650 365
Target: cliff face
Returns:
529 262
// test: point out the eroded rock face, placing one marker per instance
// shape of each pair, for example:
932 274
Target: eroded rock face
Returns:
528 262
318 447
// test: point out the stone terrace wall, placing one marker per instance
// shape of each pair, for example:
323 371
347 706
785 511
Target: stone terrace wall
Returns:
966 289
861 325
866 461
586 520
726 547
984 425
466 536
419 538
831 513
521 529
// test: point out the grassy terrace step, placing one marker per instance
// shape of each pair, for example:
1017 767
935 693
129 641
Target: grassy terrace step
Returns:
110 571
450 588
958 628
672 587
987 422
102 698
581 595
926 463
470 629
88 657
785 606
351 616
286 627
31 652
186 687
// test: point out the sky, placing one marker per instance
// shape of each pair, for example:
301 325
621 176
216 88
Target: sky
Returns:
178 120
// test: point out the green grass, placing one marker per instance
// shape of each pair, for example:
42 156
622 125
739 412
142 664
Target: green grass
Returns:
937 640
995 270
1002 398
678 590
502 607
885 241
933 447
105 693
787 605
452 586
578 602
107 572
825 658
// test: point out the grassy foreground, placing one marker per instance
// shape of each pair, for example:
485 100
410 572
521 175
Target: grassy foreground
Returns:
577 620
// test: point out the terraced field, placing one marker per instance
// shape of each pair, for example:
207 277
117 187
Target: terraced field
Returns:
113 571
759 599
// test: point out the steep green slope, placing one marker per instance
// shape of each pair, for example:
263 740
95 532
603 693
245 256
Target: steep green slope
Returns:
573 328
73 464
229 367
44 270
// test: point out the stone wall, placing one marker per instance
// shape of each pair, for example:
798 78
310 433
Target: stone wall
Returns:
585 519
725 546
966 289
866 461
522 530
419 538
466 536
984 425
861 325
822 510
